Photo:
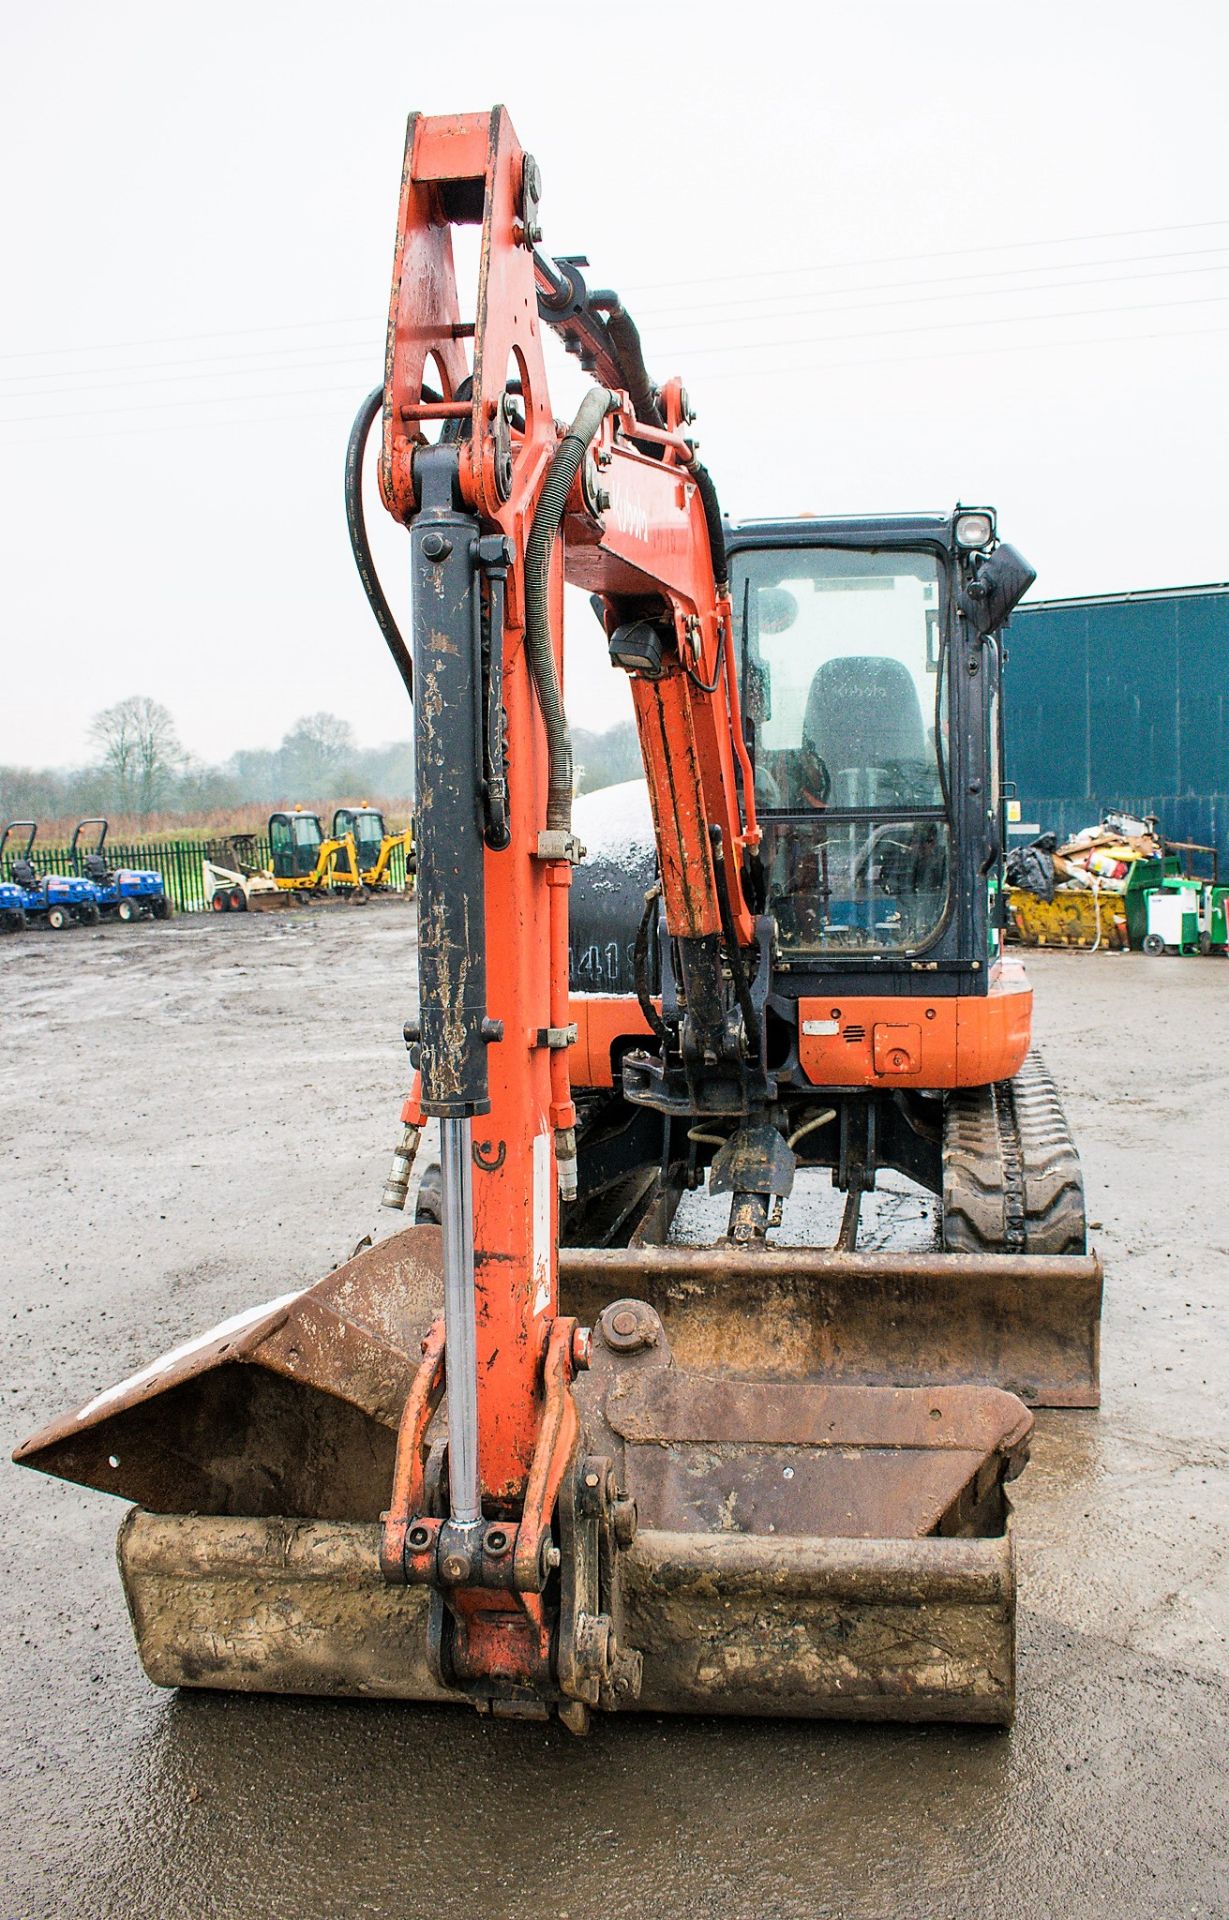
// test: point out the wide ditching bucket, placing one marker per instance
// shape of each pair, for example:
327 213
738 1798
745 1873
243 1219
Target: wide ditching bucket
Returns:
796 1546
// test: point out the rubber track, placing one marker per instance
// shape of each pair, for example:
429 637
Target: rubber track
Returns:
1011 1174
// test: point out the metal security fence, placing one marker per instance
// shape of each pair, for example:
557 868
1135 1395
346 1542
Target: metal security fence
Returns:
180 862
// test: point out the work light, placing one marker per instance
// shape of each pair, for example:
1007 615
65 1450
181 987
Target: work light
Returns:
974 530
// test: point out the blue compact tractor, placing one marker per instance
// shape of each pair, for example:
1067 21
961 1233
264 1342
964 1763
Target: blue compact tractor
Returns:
124 893
58 899
12 907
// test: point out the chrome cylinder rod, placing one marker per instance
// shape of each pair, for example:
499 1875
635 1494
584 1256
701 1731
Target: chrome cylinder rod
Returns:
460 1321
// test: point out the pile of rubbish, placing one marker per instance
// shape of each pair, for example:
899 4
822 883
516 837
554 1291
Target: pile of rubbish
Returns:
1116 885
1098 860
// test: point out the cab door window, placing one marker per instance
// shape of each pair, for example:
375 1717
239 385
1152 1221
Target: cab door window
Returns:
844 669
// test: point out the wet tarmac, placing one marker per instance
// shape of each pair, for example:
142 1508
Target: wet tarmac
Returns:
199 1116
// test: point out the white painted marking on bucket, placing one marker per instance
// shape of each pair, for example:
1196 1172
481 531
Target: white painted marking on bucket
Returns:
235 1324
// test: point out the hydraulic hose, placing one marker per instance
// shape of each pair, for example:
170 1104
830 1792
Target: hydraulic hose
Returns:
625 339
712 520
546 522
640 963
359 543
734 953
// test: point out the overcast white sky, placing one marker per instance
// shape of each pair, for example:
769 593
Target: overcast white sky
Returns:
900 254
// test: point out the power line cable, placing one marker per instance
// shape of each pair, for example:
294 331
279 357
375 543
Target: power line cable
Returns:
181 339
947 326
976 293
153 406
367 357
719 377
741 347
710 378
367 353
694 280
171 368
951 279
947 253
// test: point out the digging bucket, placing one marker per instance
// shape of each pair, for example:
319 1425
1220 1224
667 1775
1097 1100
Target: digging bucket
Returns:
800 1547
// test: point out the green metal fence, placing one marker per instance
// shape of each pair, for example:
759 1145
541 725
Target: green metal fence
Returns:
180 863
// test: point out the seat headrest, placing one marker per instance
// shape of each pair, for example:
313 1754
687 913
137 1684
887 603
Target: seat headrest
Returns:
863 711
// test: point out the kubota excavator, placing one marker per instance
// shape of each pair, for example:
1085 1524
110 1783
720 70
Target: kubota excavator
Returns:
615 1472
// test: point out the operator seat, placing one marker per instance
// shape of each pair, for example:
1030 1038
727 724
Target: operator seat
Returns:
864 721
24 874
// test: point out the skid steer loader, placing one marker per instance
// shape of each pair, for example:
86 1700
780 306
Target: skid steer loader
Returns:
536 1457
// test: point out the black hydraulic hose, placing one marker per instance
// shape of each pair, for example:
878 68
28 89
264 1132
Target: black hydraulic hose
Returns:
742 986
709 686
625 339
546 522
640 962
712 520
359 544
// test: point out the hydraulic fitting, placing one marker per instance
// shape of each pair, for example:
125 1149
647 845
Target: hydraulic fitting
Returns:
565 1161
397 1186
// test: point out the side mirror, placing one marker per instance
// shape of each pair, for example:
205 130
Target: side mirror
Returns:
757 693
998 586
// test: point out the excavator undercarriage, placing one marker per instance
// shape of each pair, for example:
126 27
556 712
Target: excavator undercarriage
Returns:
534 1455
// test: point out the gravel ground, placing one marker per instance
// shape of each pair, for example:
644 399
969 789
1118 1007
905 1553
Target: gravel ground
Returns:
199 1116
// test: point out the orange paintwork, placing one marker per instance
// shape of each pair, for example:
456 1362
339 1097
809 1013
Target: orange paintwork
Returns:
515 1201
652 541
881 1040
884 1040
648 538
601 1021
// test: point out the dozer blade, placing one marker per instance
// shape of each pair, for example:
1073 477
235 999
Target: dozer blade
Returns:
803 1548
1029 1323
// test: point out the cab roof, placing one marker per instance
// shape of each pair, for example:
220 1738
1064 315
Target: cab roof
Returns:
877 530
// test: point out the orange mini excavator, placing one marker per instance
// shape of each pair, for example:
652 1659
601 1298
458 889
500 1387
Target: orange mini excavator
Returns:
536 1456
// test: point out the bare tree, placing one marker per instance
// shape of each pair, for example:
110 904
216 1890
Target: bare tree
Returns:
140 750
318 751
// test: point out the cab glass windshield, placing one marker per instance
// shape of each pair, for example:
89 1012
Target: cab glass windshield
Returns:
844 682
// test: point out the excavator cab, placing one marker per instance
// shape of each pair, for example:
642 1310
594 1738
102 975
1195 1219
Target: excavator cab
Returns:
849 739
374 845
367 826
295 843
